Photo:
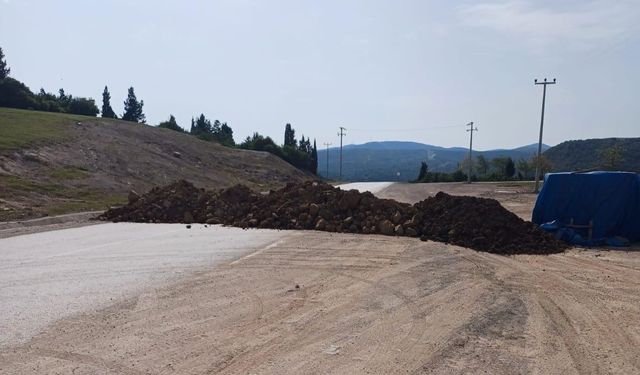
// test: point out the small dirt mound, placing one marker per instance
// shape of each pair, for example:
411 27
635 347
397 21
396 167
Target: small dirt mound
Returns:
174 203
482 224
477 223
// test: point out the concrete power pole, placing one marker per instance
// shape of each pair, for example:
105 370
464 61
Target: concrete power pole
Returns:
327 144
341 134
470 130
544 96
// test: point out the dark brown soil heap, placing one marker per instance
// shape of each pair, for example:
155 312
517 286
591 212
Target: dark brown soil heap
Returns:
477 223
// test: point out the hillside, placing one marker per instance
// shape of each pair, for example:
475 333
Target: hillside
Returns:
53 163
588 154
380 161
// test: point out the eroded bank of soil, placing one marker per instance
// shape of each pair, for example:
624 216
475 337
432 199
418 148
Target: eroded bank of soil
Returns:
319 302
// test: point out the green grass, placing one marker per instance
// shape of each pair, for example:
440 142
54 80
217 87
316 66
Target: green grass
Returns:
68 173
60 199
20 128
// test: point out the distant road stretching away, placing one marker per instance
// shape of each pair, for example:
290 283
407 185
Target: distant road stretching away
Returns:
373 187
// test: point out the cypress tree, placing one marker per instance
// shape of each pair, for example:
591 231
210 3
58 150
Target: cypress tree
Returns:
314 158
4 71
107 111
289 136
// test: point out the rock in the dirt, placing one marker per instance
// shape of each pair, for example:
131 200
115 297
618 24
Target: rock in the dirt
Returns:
396 217
386 227
321 224
133 196
313 209
350 199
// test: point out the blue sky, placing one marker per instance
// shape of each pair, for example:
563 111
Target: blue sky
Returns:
385 70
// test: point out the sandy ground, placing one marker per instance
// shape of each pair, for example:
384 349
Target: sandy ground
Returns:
325 303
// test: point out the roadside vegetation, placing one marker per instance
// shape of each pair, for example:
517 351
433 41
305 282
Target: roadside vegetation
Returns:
20 129
23 132
60 198
496 169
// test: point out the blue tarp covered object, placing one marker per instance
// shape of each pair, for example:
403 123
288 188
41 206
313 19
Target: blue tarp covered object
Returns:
610 199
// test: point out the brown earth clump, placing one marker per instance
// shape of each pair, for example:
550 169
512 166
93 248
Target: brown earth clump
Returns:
478 223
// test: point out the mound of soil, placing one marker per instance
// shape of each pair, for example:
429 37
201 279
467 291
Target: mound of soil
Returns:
478 223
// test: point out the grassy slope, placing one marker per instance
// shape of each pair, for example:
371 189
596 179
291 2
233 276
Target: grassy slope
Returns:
19 128
56 163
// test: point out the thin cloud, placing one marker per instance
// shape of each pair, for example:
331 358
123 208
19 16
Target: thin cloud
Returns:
595 24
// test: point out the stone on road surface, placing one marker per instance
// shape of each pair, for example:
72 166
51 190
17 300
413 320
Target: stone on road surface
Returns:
52 275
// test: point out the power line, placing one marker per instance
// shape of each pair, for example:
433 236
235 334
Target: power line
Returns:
327 144
341 134
470 130
544 96
406 129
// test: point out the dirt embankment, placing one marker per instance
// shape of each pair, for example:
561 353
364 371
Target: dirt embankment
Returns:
478 223
91 163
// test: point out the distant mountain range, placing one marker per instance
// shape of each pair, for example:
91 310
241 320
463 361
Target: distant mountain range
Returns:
588 154
381 161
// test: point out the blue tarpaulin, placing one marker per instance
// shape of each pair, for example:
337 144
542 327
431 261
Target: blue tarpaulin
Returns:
609 200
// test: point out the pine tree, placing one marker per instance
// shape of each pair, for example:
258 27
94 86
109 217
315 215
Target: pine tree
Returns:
509 168
314 158
422 175
133 108
289 136
107 111
4 71
171 124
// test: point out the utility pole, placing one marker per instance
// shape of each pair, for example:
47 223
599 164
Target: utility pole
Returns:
327 144
470 130
544 96
341 134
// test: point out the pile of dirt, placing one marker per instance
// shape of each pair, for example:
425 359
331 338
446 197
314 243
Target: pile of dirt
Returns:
482 224
478 223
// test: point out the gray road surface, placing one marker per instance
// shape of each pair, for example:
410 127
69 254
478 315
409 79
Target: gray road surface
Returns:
372 187
50 275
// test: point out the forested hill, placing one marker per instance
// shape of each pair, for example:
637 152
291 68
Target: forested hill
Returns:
381 161
591 154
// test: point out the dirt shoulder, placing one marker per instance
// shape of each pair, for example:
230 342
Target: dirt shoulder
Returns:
48 223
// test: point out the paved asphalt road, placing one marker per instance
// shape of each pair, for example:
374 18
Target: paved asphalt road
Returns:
51 275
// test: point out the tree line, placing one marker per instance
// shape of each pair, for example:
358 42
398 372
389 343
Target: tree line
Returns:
299 153
15 94
483 169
